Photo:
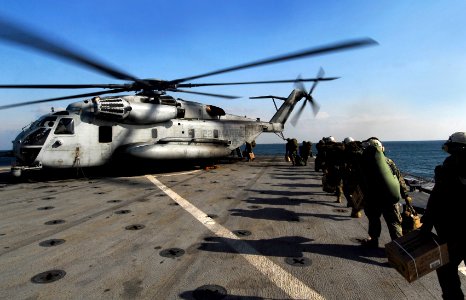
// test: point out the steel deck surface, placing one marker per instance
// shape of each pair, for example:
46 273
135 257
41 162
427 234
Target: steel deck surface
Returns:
245 230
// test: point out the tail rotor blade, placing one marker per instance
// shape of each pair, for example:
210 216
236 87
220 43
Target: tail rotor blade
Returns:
299 83
320 74
295 118
315 107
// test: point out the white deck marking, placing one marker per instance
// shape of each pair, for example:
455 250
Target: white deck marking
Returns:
291 285
179 173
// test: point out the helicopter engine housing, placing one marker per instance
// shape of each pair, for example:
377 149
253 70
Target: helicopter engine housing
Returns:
137 113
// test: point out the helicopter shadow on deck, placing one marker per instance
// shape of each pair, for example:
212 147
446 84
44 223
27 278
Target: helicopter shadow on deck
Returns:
277 201
269 213
130 168
294 170
290 178
216 295
292 246
281 214
297 185
280 193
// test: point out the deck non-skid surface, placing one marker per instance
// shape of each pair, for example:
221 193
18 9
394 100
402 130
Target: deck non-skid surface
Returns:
258 230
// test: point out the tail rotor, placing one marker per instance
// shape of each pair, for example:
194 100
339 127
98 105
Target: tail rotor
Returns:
308 96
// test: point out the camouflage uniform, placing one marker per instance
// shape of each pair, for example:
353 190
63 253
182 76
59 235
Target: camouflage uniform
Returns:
445 211
305 151
248 149
333 167
319 156
377 205
293 150
351 174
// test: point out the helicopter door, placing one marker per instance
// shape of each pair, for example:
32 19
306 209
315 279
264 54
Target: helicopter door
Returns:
63 145
105 142
105 134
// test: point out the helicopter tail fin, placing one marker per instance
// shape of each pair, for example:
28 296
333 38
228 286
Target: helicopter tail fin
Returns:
281 116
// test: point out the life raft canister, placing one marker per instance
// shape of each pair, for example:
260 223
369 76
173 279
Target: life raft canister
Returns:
380 180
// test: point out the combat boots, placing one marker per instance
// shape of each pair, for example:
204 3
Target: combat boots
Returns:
338 199
370 243
356 213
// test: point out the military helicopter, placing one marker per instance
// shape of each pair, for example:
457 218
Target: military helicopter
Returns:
150 124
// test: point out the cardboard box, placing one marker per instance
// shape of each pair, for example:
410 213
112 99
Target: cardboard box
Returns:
415 255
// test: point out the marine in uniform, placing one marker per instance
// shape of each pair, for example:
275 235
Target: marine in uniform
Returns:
305 151
319 156
332 182
383 187
293 150
445 211
351 173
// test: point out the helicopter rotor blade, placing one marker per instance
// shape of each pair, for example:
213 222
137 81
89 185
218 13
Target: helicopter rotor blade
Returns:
204 94
320 75
190 85
65 86
346 45
315 107
296 117
20 35
62 98
298 83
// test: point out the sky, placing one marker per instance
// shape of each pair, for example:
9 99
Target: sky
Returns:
409 87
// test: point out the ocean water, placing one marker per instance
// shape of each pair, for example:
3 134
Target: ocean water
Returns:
417 158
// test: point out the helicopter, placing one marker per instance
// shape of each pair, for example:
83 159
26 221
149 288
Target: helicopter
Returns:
147 125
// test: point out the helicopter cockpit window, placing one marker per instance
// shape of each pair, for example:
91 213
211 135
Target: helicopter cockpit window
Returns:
37 138
47 122
65 126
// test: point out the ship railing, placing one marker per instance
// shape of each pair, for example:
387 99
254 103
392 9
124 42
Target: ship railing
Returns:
418 183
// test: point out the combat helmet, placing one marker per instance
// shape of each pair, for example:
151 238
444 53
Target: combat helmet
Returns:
456 142
348 140
373 141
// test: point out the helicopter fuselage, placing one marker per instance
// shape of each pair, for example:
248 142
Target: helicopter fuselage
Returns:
90 132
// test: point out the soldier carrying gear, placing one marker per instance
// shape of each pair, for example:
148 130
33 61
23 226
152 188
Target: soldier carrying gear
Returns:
351 174
383 187
331 182
320 155
445 211
249 150
305 151
293 148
